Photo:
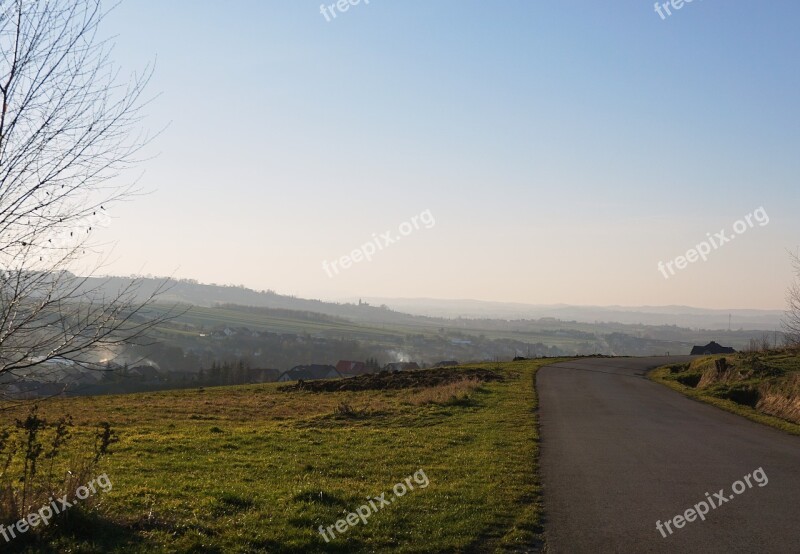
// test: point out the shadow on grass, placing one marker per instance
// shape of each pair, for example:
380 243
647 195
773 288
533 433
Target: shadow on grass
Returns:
337 545
229 504
78 531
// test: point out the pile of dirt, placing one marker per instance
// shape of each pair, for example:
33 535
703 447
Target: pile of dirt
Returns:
386 380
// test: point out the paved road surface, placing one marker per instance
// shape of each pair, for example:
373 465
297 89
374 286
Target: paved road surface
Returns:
620 452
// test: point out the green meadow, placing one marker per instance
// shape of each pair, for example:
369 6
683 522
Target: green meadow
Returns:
258 469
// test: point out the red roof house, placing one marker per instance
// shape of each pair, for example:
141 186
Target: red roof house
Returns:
351 369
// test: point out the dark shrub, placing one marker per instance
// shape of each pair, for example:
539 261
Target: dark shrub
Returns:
690 380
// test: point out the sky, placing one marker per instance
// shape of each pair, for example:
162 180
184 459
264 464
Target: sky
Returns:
522 151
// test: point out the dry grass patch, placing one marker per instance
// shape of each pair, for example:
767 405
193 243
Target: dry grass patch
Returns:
446 394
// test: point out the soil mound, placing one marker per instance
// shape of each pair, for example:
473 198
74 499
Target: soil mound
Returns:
386 380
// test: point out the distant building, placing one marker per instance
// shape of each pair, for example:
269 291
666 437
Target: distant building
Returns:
400 366
146 373
310 373
351 369
712 348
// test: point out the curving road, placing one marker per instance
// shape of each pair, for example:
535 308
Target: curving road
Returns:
620 452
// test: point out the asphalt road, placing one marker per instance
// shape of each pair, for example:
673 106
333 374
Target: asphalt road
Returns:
620 452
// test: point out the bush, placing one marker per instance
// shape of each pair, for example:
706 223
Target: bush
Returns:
345 410
678 368
35 465
741 394
689 380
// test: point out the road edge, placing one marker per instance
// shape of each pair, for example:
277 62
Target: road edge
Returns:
658 375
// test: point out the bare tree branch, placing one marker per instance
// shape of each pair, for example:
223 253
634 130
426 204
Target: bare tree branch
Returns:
68 129
791 322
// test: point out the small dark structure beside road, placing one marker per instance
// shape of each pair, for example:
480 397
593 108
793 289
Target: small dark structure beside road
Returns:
712 348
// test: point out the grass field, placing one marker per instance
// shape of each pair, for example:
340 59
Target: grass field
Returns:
256 469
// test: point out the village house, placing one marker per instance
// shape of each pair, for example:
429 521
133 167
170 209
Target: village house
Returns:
351 369
146 373
310 373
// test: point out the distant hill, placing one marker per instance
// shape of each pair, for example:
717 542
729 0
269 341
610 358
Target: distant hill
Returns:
191 292
234 323
407 310
682 316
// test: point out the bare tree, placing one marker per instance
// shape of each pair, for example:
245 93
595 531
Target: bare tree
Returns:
68 128
792 321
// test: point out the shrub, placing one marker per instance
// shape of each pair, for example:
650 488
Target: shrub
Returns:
346 410
679 368
36 463
690 380
741 394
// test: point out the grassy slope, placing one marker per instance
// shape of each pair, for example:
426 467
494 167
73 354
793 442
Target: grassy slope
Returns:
242 469
711 395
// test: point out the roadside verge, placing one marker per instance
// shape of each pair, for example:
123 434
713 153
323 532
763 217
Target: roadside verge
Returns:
762 387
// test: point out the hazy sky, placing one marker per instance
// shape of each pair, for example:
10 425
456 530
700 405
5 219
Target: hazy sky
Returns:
563 149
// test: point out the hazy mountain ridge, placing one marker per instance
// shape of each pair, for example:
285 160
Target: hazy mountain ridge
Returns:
236 327
682 316
408 310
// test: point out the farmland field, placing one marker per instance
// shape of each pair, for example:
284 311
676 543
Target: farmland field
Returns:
257 468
